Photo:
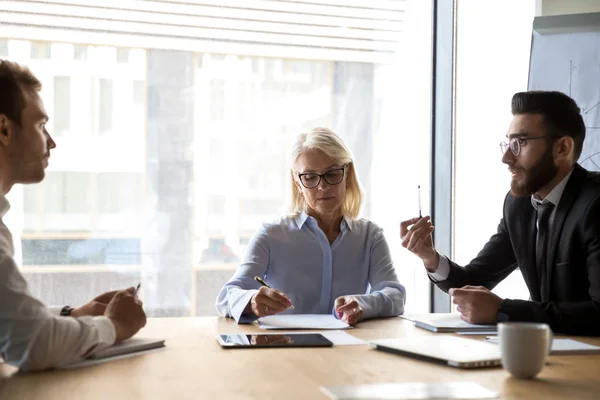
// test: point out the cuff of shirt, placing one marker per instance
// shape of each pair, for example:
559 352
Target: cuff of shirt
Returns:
442 272
237 309
370 304
55 310
106 330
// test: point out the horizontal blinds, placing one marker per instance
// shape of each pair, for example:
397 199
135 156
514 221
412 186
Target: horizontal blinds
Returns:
348 30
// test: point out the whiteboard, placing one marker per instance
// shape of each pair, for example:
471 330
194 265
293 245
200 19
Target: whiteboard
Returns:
565 56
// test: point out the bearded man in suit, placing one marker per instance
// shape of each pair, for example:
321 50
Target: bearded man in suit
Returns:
550 227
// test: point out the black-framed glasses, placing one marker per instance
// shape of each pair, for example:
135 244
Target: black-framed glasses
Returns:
515 144
311 180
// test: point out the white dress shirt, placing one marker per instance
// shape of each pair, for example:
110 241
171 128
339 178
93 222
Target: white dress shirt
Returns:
443 269
33 336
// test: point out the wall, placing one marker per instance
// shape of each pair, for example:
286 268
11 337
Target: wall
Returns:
557 7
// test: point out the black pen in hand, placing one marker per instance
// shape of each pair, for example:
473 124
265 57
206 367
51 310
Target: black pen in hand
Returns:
262 282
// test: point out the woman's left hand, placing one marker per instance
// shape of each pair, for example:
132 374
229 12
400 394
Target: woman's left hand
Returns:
348 310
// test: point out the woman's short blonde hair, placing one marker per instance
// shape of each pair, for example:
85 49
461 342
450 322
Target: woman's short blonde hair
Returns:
328 142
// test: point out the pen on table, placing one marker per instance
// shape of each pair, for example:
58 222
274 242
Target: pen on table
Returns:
262 282
136 289
419 194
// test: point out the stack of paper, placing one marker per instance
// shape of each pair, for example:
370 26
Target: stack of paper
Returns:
563 346
450 323
302 321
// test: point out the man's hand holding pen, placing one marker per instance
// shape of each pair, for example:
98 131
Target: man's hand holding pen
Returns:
415 234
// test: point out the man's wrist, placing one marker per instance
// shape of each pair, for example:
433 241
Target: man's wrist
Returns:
66 311
432 263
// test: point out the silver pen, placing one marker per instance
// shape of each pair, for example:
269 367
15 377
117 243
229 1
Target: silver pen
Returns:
419 194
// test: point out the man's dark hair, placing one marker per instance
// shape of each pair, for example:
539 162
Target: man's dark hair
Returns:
15 81
561 114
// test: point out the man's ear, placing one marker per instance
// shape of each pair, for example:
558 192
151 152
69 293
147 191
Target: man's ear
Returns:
5 130
564 147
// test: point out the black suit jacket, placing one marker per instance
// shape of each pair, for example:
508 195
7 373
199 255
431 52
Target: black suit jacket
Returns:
567 294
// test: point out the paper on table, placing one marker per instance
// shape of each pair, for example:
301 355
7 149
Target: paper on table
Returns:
302 321
410 391
94 361
341 338
448 322
563 346
129 348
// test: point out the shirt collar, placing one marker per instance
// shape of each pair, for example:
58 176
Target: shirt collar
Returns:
303 217
555 194
4 205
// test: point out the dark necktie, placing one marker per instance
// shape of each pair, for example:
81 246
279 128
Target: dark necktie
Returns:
541 247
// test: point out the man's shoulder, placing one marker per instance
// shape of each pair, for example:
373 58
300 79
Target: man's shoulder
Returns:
592 180
590 188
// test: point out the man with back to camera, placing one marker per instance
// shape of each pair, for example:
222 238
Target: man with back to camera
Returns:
550 227
32 336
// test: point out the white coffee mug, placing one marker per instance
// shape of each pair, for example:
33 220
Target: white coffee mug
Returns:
524 347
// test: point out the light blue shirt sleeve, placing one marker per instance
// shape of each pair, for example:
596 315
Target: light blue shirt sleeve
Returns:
238 292
387 296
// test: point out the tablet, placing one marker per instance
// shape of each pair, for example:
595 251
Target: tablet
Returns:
266 340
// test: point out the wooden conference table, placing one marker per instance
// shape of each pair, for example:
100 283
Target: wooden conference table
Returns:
193 366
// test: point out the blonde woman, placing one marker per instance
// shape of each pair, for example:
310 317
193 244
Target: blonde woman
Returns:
321 258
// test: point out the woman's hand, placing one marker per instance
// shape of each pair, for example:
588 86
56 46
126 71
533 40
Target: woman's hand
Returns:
269 301
348 310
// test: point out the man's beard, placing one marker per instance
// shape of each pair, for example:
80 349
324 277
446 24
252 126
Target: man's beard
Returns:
536 177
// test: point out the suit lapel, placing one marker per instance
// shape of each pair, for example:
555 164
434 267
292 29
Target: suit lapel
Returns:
566 201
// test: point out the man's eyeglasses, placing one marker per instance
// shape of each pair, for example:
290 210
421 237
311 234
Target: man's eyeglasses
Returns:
311 180
516 143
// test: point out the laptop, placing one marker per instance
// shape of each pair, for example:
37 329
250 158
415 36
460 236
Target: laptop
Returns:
449 350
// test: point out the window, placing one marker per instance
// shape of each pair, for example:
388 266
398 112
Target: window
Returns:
62 104
3 48
176 154
139 93
118 192
105 97
482 119
67 192
217 99
122 55
40 50
80 53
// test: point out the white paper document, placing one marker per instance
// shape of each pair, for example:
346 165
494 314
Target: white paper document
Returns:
448 322
129 348
341 338
302 321
563 346
410 391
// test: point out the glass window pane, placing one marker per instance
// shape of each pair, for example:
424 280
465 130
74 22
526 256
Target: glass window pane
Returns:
482 125
122 55
80 53
62 104
106 111
176 157
3 48
40 50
